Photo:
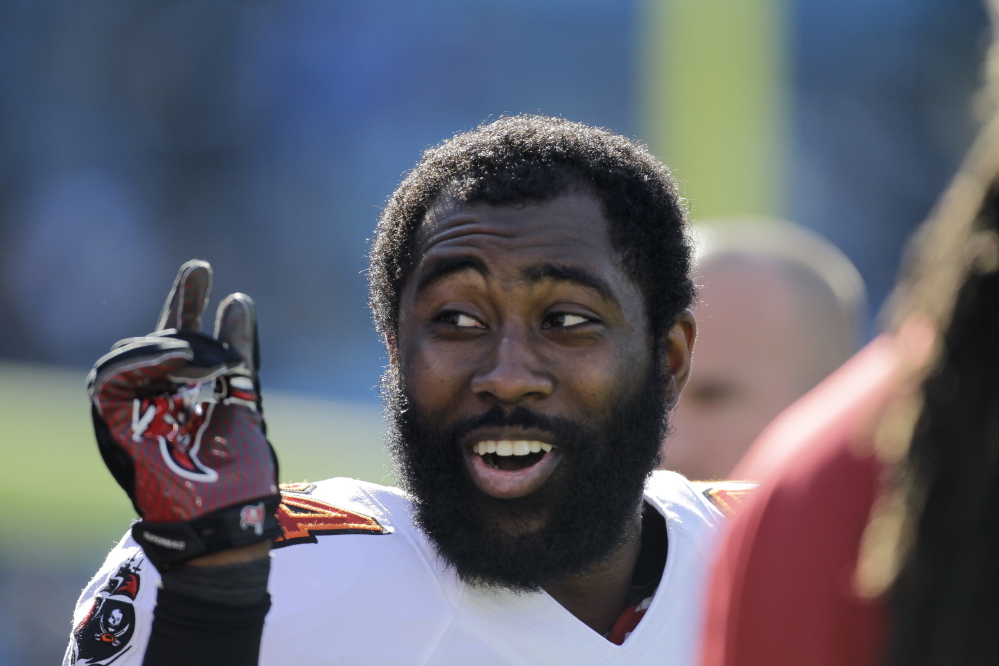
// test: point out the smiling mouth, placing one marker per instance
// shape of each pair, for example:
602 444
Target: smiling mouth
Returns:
509 468
511 455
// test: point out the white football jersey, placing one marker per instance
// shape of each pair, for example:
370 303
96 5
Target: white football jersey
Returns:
353 581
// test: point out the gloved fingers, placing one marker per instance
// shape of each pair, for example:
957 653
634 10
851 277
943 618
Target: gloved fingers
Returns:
142 366
188 297
210 358
236 326
156 363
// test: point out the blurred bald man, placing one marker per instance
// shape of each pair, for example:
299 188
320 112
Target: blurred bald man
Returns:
779 309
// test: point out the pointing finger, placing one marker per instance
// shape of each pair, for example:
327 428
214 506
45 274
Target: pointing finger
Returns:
236 326
188 297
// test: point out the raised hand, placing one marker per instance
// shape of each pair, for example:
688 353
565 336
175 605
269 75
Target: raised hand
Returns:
202 476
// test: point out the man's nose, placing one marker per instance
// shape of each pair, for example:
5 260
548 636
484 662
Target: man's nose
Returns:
513 371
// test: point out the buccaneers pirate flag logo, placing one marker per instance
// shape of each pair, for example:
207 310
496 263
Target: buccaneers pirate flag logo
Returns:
105 632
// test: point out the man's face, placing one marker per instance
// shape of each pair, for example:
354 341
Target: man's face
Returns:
531 397
751 362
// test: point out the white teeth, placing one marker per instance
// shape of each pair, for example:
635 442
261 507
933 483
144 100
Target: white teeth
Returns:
506 447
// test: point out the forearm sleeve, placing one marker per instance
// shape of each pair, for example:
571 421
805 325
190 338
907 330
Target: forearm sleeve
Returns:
210 615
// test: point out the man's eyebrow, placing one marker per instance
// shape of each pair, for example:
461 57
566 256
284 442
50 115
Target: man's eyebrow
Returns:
574 274
446 266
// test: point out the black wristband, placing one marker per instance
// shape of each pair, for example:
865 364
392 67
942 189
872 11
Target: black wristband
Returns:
168 545
191 631
243 584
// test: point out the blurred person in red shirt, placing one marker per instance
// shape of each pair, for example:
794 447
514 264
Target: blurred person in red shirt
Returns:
874 536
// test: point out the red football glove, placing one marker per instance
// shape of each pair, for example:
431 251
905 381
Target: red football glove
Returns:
202 476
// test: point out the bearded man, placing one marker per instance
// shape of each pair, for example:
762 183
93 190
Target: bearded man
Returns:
530 280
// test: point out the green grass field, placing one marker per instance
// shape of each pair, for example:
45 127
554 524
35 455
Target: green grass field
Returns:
58 503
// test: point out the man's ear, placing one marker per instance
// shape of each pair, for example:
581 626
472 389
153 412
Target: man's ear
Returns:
679 347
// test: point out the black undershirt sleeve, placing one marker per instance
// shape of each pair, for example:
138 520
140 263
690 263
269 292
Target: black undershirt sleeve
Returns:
210 615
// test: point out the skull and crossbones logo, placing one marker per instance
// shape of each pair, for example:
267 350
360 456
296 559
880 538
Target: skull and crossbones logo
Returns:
112 627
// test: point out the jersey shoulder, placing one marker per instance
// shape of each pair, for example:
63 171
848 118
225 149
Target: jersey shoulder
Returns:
337 507
351 564
349 525
725 496
708 501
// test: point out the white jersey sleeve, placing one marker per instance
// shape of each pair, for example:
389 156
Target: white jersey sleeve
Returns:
113 617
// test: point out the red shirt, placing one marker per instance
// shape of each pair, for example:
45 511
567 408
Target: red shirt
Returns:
782 590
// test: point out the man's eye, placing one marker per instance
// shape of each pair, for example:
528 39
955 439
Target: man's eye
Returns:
565 320
713 392
459 319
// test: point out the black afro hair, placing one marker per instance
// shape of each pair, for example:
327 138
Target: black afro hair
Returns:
530 159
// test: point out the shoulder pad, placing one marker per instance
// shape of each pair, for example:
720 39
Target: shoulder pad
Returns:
304 518
726 496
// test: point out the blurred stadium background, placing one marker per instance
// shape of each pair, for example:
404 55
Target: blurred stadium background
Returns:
265 136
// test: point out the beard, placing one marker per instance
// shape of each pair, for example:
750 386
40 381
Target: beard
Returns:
580 516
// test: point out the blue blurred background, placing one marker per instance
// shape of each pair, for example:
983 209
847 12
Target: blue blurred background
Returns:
265 137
